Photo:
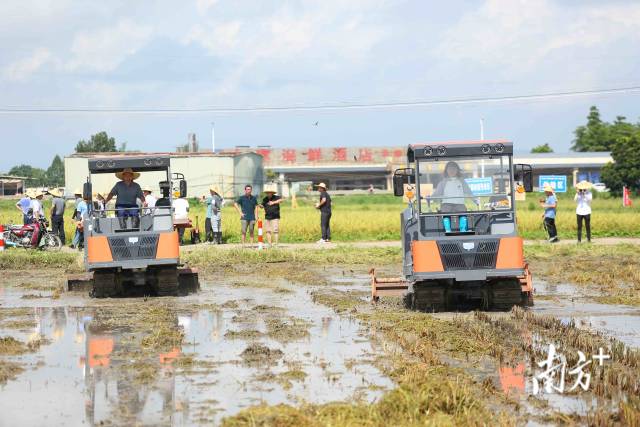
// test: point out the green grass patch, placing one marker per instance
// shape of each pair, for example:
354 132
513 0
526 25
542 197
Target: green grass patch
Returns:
15 259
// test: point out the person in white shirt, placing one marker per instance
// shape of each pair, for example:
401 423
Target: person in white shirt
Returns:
149 200
583 200
36 206
180 213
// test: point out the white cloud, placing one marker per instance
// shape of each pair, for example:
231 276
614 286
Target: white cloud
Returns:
520 33
22 69
203 6
104 49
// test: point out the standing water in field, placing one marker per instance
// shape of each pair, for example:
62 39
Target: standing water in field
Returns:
121 360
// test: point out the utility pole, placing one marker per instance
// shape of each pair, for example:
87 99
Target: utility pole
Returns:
481 129
213 137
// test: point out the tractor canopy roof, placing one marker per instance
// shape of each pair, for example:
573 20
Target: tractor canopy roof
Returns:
444 149
138 163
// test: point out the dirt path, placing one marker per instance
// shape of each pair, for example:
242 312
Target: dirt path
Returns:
391 244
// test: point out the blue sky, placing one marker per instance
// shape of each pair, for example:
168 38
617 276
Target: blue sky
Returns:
274 53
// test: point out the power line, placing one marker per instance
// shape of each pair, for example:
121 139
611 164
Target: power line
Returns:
334 106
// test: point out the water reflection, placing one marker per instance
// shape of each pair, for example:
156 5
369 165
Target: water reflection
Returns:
89 375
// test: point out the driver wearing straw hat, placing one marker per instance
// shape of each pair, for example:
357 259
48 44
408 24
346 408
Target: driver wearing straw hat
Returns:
127 194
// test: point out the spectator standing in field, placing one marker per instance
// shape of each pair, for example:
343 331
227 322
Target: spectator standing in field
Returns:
37 208
57 214
247 207
149 200
271 206
549 204
81 212
23 205
77 194
324 205
181 213
583 200
213 222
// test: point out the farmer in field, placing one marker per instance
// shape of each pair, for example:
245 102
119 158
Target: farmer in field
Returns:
247 207
583 200
213 222
324 205
549 204
57 214
271 206
127 194
81 212
77 194
23 205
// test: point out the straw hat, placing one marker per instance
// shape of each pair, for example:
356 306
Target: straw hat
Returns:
322 185
136 175
55 192
583 185
270 189
77 191
548 189
147 189
215 189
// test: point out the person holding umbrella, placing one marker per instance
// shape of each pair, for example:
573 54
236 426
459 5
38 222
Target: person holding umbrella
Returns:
583 200
549 204
324 205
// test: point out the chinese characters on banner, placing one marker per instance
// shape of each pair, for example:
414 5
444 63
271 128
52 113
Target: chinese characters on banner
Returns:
286 156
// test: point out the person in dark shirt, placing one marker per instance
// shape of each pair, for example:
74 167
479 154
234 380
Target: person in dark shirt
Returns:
57 212
271 206
247 207
324 205
127 194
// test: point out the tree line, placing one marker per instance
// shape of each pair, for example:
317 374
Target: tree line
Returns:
53 176
622 139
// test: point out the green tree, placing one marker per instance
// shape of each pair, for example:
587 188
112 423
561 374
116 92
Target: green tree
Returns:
55 173
35 176
595 136
98 143
544 148
625 170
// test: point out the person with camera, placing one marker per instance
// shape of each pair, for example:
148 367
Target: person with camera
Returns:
583 200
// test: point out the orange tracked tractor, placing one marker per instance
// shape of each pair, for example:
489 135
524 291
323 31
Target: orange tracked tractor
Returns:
459 236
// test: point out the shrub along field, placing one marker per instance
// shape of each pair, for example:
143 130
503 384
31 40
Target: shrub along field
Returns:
377 217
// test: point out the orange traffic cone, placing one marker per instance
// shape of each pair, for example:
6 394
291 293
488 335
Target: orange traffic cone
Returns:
260 238
1 238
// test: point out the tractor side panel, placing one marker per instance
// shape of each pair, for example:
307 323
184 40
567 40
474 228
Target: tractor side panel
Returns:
426 256
168 246
98 250
510 253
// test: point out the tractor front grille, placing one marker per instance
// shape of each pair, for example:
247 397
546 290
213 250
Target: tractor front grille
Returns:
477 254
125 248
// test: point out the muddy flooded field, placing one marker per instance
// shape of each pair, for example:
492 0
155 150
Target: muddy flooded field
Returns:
303 348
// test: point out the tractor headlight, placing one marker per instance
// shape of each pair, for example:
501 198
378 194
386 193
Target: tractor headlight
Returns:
486 148
499 148
428 151
442 151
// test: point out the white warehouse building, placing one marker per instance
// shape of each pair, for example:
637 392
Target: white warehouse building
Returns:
229 171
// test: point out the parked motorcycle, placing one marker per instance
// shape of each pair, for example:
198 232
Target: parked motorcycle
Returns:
32 236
